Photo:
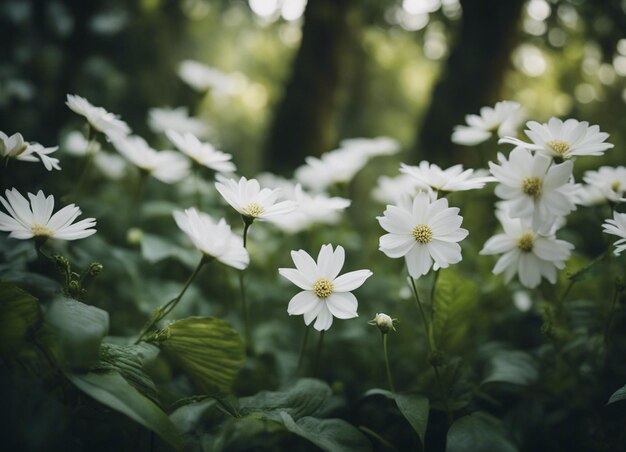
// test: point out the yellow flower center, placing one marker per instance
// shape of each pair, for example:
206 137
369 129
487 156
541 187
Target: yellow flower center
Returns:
40 230
526 242
616 186
422 233
558 146
532 186
253 210
323 288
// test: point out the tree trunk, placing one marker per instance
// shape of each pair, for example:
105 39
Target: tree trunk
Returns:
304 119
472 76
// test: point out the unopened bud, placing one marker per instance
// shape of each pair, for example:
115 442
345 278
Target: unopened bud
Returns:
95 269
384 323
62 263
134 236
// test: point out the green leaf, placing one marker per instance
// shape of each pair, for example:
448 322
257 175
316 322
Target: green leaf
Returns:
155 249
511 366
304 398
414 408
79 329
207 348
618 395
455 298
112 390
20 313
478 432
335 435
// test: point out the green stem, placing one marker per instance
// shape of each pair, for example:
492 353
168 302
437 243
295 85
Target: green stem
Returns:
318 353
246 316
164 310
609 322
389 379
303 347
575 277
432 348
197 188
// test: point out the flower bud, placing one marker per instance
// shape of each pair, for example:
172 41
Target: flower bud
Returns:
95 269
384 323
134 236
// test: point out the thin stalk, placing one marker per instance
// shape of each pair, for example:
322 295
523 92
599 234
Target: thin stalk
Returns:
164 310
303 347
91 141
389 379
197 187
318 353
609 322
431 348
247 222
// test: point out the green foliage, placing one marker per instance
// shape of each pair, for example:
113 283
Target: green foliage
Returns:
618 395
20 315
414 408
478 432
508 366
207 348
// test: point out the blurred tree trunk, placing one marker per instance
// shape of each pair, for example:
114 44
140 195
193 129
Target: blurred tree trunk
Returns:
303 121
473 75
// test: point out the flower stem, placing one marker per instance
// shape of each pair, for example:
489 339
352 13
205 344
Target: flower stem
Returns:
318 353
247 222
303 347
164 310
431 349
617 291
389 379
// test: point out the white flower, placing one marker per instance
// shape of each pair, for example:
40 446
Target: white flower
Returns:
161 120
111 166
310 209
526 253
588 195
12 146
324 294
504 119
384 323
98 117
563 139
202 77
429 175
395 190
213 239
167 166
202 153
44 155
26 220
617 226
334 167
372 147
76 143
610 181
535 188
247 198
426 232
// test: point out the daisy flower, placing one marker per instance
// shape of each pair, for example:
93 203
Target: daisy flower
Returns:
324 294
12 146
75 143
27 220
617 226
526 252
212 238
202 77
251 201
202 153
98 117
535 188
43 153
565 140
609 181
394 190
160 120
15 147
372 147
167 166
503 119
427 231
430 176
334 167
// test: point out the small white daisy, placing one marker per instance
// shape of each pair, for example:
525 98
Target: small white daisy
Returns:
535 188
526 252
251 201
15 147
212 238
202 77
395 190
43 153
100 119
426 232
27 220
160 120
430 176
564 140
503 119
202 153
617 226
75 143
324 294
12 146
372 147
167 166
608 180
334 167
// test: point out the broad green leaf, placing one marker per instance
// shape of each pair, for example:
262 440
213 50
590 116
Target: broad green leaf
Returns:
112 390
455 298
155 249
618 395
511 366
20 313
333 435
305 398
414 408
478 432
79 329
207 348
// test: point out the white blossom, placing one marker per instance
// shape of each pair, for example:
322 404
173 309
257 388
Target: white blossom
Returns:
617 226
98 117
503 119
